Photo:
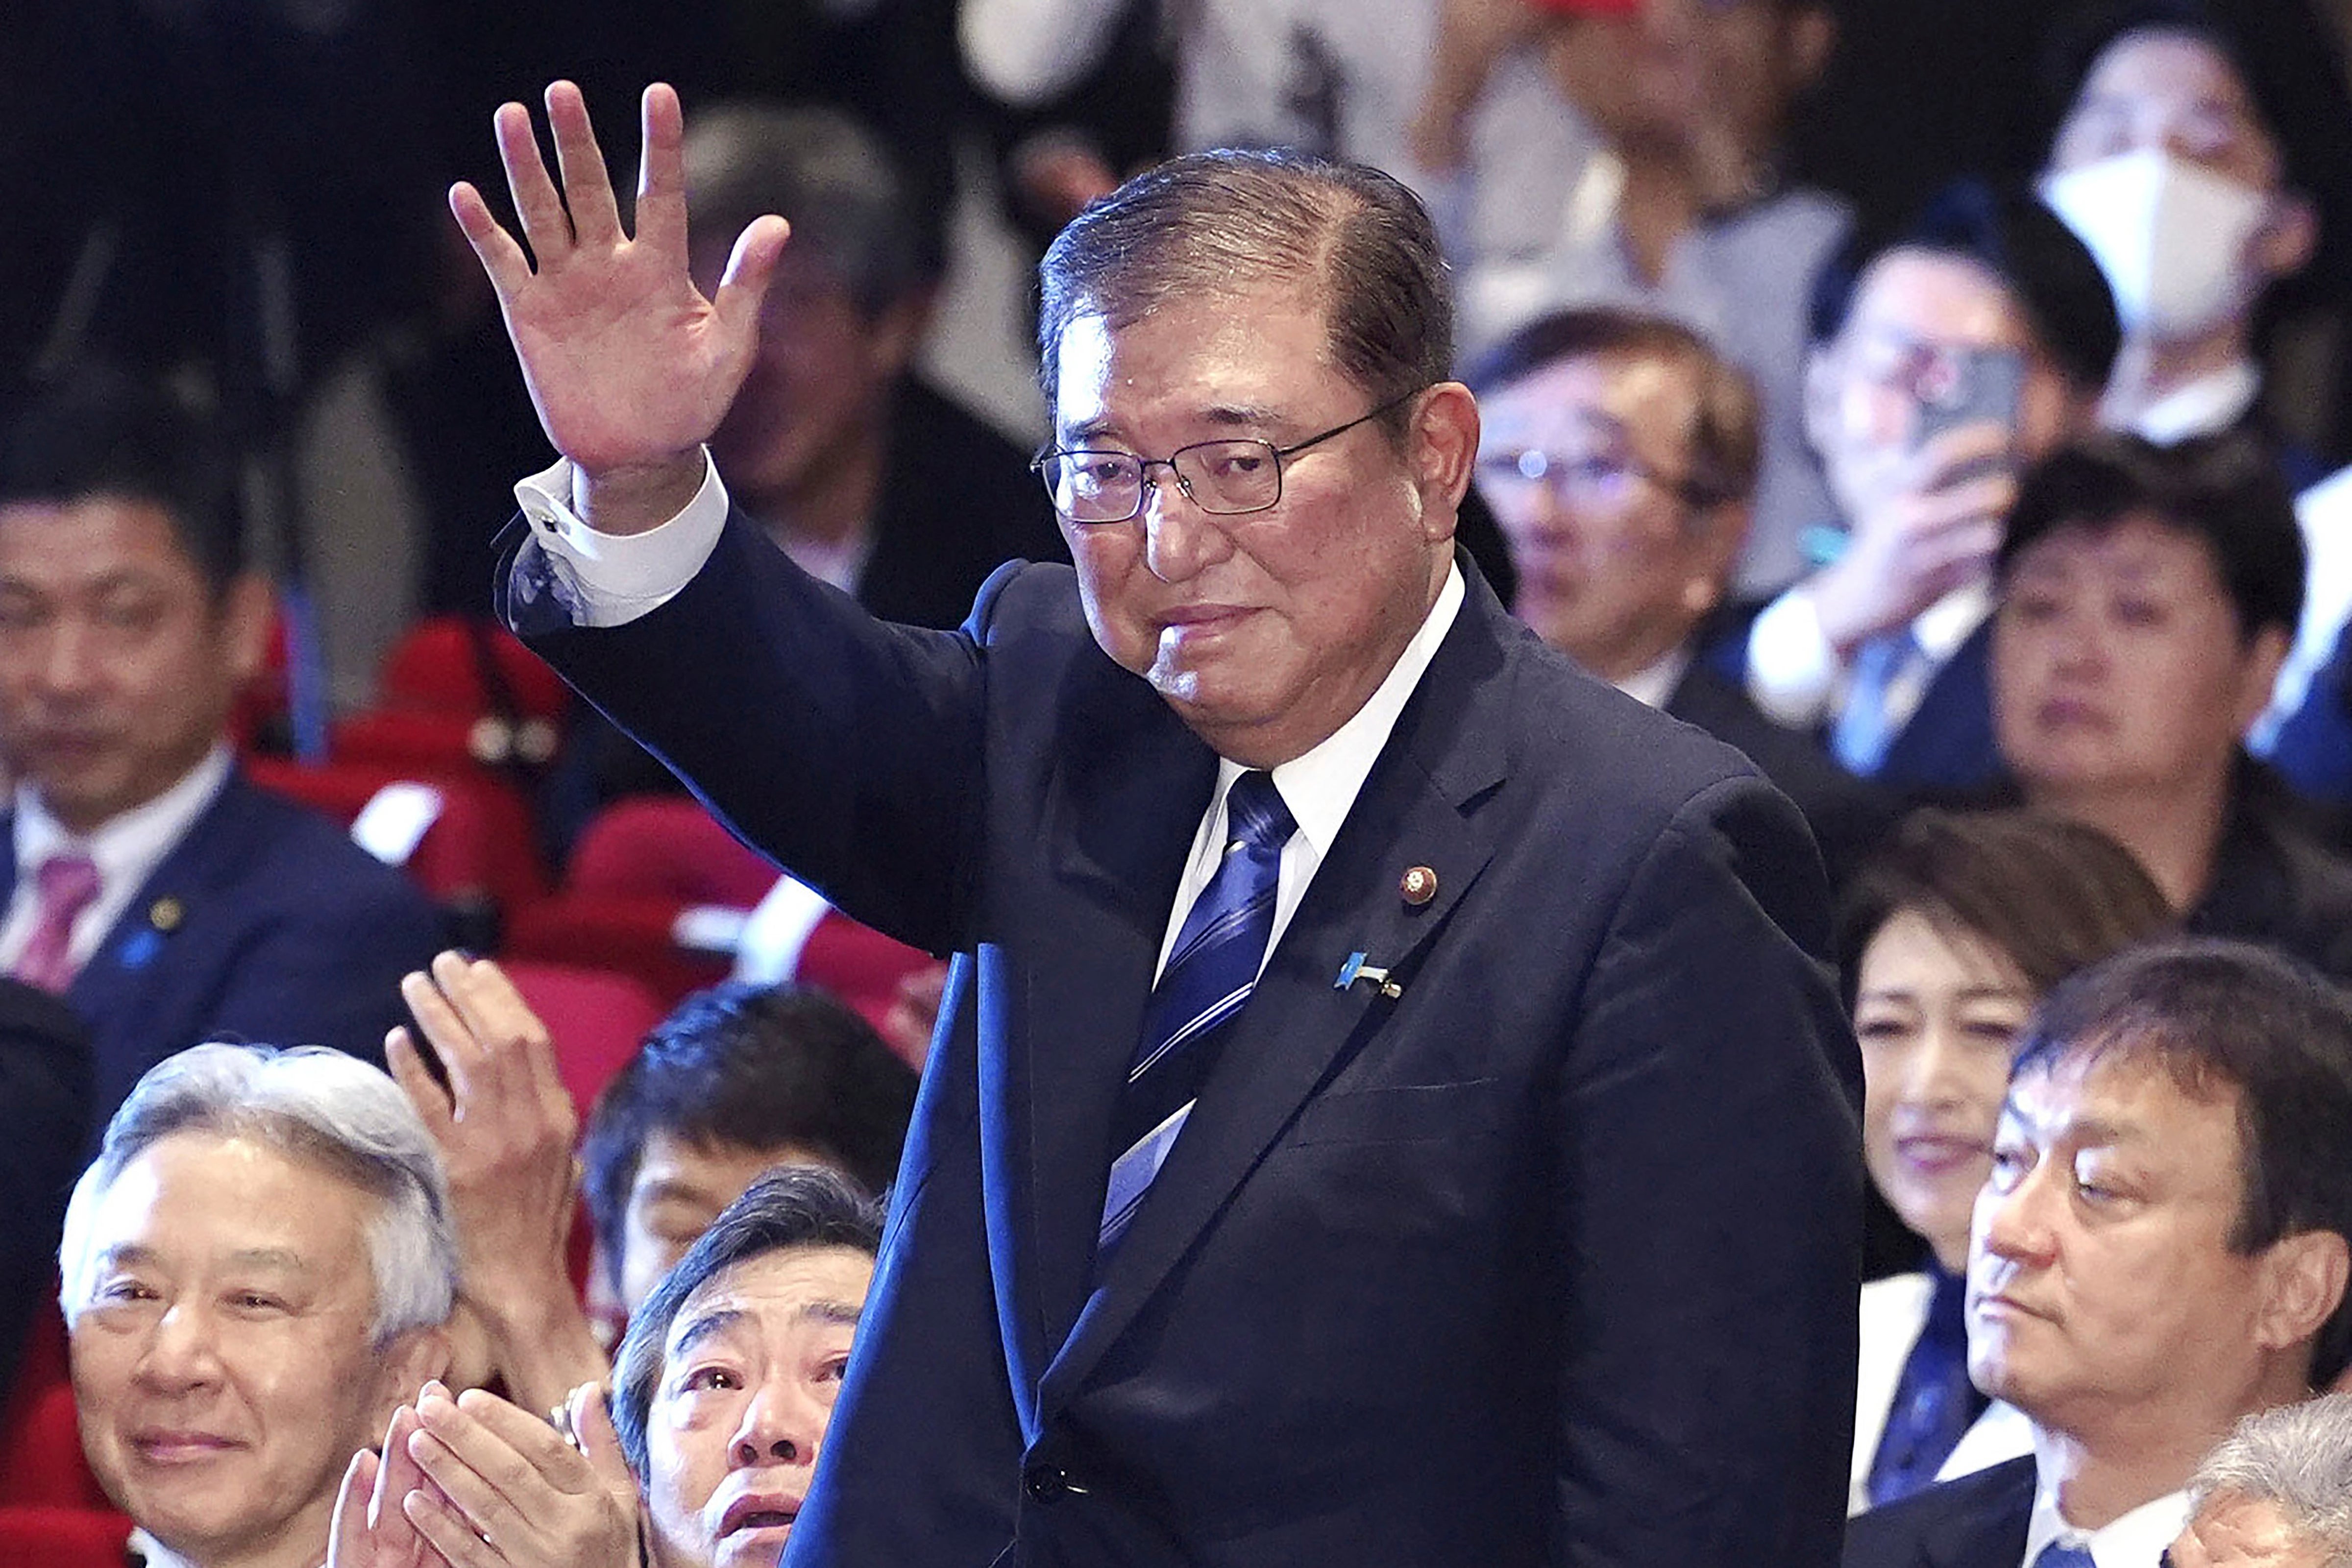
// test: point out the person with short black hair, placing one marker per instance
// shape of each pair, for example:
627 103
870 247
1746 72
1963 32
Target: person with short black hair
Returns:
736 1079
721 1399
2148 596
1945 358
2161 1250
166 898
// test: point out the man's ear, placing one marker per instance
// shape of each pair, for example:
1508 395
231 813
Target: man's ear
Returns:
2288 238
248 610
1717 532
895 334
414 1358
2306 1276
2258 674
1820 401
1810 39
1443 446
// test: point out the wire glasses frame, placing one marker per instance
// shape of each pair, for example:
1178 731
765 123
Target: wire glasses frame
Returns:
1225 478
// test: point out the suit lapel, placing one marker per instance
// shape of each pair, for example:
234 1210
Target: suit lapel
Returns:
1299 1026
1987 1530
119 984
1121 817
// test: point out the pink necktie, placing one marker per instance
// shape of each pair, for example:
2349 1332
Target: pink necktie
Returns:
62 888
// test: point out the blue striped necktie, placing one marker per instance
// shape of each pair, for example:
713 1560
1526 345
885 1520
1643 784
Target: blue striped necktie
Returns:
1877 703
2058 1554
1210 974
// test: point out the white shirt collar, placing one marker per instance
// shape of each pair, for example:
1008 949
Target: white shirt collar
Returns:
2134 1540
1943 626
2210 404
1653 684
130 846
1321 784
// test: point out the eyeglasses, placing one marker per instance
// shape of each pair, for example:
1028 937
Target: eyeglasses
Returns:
1599 479
1240 474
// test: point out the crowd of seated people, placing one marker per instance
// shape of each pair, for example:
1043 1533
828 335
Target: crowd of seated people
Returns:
1974 525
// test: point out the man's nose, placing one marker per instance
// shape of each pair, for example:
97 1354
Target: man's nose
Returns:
1179 539
67 661
182 1348
2015 1224
784 1425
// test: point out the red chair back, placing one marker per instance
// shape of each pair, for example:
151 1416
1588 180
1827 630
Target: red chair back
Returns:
636 936
437 668
660 846
64 1537
41 1464
479 846
596 1018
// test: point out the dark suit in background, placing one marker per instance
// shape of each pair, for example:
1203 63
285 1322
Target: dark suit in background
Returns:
265 923
1847 814
45 1074
1550 1257
1976 1521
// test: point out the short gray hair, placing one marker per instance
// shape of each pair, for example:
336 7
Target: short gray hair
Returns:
314 1104
1208 225
2297 1457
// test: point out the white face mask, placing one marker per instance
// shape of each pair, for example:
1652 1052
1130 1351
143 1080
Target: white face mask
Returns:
2170 236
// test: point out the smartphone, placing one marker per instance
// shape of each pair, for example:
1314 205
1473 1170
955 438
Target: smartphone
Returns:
1969 386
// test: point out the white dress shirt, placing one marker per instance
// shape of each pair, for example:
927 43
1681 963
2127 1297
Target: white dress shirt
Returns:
2135 1541
1796 677
126 849
608 580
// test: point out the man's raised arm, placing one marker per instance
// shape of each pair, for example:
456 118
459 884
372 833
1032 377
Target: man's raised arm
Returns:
629 366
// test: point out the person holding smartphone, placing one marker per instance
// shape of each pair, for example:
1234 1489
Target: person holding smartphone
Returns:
1944 360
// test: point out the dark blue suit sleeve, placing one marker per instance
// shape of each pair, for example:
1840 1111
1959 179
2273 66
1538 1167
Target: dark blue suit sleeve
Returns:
878 807
1709 1114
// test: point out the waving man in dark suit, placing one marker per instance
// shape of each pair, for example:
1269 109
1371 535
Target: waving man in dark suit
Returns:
1388 1108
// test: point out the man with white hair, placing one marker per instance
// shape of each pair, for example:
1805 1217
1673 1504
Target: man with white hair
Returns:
2277 1493
257 1268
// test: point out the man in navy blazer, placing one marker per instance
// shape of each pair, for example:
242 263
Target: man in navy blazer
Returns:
1514 1216
166 899
1946 360
2160 1251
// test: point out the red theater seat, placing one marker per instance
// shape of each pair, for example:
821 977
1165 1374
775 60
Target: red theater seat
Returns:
661 846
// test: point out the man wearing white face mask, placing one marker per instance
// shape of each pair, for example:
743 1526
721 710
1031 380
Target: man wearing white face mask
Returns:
2172 167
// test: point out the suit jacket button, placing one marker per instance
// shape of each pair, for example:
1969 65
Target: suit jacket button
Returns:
1045 1483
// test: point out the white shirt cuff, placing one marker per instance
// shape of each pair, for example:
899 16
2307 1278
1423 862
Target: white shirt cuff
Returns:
610 580
1793 671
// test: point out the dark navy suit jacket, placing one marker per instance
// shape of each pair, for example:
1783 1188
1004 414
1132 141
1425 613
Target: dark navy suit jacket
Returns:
265 923
43 1122
1975 1521
1548 1258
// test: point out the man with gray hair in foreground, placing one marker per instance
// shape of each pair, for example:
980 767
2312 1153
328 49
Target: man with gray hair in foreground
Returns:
2277 1493
257 1268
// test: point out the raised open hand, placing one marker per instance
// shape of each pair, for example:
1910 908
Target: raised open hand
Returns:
629 366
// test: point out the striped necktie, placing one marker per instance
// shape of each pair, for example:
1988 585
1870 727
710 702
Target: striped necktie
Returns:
1210 974
1881 697
2058 1554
